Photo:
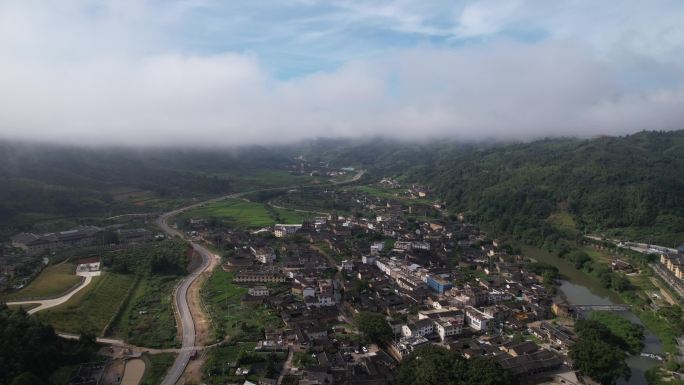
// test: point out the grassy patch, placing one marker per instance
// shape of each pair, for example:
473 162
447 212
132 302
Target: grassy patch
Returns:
148 319
92 308
631 335
290 216
563 221
240 213
156 367
51 282
272 178
231 318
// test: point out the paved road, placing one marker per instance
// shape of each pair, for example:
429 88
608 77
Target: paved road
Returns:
181 294
181 298
49 303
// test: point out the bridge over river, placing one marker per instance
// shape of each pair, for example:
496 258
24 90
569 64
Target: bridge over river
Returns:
608 307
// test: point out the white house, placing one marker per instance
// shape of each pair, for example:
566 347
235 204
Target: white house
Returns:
450 326
263 254
476 319
258 291
346 265
419 328
377 247
280 230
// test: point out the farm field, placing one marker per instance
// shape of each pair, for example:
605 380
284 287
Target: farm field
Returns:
92 308
53 281
240 213
258 179
148 319
242 322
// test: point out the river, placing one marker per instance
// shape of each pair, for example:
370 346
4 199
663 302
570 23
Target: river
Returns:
578 288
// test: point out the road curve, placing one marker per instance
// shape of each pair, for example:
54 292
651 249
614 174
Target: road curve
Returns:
50 303
181 294
181 298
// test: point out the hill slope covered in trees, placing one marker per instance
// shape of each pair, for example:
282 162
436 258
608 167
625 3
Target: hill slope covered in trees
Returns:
630 187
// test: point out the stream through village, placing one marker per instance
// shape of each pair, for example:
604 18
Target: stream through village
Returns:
582 290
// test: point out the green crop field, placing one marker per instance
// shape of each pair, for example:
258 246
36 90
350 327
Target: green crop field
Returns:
291 216
242 213
92 308
258 179
148 319
51 282
243 322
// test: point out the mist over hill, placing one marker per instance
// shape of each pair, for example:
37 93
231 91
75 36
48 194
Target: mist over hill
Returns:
538 191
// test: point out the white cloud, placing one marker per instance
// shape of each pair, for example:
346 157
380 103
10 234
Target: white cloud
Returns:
86 73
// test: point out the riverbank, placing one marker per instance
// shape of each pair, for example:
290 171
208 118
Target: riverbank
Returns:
580 287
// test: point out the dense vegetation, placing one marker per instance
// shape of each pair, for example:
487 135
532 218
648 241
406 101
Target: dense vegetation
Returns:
545 190
374 327
32 351
435 365
598 353
630 336
158 258
42 181
540 192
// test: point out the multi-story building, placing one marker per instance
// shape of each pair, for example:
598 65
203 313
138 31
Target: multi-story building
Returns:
263 254
420 328
448 326
258 277
34 244
476 319
281 231
258 291
438 284
674 263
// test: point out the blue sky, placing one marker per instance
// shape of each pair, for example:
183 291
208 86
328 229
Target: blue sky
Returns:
236 72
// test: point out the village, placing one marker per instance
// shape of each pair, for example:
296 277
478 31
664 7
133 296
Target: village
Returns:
370 274
434 279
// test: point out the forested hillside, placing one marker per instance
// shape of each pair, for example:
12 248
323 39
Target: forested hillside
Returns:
42 182
629 186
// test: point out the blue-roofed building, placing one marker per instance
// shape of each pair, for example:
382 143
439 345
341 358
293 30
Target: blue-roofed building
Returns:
438 284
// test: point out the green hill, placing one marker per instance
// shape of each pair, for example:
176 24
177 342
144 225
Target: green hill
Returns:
630 187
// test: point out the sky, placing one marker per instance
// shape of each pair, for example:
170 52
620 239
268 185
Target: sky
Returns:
226 73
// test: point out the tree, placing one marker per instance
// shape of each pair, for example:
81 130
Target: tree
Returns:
433 365
31 350
374 327
597 353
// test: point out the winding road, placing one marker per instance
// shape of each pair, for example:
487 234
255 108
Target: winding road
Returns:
181 295
187 323
50 303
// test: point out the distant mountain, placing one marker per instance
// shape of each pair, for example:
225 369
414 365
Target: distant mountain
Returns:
542 191
41 182
630 186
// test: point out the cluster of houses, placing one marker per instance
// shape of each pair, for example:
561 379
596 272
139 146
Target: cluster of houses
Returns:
38 244
435 280
674 262
24 256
